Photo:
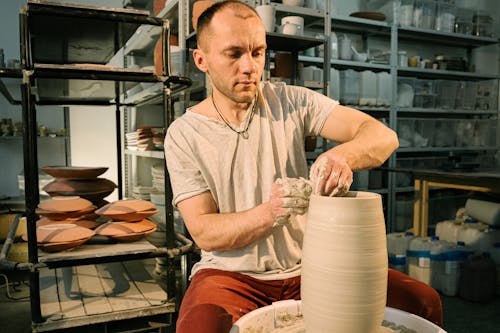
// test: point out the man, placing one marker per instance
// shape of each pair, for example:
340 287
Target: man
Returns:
225 155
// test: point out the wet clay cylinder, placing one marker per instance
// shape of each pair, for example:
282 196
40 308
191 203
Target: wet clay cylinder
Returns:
344 265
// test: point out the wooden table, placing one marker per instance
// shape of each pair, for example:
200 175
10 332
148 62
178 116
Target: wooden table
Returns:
480 181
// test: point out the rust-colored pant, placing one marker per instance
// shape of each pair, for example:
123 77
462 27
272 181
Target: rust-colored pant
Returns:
215 299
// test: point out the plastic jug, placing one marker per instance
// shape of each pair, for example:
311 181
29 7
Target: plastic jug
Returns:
437 250
448 230
453 257
418 257
397 244
477 278
472 233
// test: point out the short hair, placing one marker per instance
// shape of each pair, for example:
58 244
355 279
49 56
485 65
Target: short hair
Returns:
207 15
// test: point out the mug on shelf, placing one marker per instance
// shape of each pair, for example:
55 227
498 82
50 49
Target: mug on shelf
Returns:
290 29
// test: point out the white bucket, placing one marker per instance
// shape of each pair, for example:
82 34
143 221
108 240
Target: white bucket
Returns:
287 315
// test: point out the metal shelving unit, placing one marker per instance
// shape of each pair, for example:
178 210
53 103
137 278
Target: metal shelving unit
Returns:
64 49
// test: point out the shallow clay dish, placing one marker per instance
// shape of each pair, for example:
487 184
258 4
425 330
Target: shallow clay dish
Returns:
74 171
64 215
377 16
89 224
65 204
124 228
133 237
57 233
131 217
126 206
61 246
93 185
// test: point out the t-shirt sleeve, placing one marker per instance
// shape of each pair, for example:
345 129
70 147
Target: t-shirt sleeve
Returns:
185 177
314 108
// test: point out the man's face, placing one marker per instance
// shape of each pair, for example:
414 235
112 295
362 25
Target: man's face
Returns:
233 53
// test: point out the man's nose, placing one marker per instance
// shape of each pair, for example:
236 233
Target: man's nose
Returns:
248 64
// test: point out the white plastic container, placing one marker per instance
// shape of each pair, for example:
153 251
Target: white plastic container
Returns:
397 244
437 250
453 256
473 234
484 211
495 255
448 230
368 88
418 257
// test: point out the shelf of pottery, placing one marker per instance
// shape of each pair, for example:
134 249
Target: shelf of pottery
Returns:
81 67
446 102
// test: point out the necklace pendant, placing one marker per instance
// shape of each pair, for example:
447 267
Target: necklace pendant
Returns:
244 135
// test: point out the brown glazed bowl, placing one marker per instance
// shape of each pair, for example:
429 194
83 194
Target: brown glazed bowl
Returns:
126 206
124 228
64 215
89 224
57 233
65 204
133 237
74 171
61 246
83 186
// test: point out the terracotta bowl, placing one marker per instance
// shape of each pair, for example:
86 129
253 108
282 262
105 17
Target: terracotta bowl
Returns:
131 217
65 204
89 224
57 233
61 246
64 215
124 228
133 237
83 186
126 206
74 171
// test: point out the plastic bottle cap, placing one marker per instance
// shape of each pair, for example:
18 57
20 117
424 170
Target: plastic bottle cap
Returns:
435 238
408 233
470 220
460 244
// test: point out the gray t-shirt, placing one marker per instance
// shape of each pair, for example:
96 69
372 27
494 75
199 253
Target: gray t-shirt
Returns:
203 154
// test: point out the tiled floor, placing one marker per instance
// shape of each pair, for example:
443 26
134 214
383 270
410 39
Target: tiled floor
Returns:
460 316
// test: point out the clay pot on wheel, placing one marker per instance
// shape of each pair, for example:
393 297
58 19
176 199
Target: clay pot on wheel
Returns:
344 264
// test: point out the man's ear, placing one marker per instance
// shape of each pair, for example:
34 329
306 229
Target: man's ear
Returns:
199 60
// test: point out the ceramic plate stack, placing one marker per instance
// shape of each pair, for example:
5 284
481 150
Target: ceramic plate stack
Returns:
79 181
60 237
142 192
158 176
131 140
158 138
65 207
129 219
127 231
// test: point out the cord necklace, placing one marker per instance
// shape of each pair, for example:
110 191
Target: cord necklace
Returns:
243 132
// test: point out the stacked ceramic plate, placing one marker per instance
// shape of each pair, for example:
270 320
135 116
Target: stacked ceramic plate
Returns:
129 219
158 176
127 231
141 139
79 181
141 192
59 237
65 207
158 138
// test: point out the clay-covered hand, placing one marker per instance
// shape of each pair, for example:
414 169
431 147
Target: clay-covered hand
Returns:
330 175
289 197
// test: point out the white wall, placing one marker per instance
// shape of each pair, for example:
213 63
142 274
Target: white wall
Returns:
92 129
